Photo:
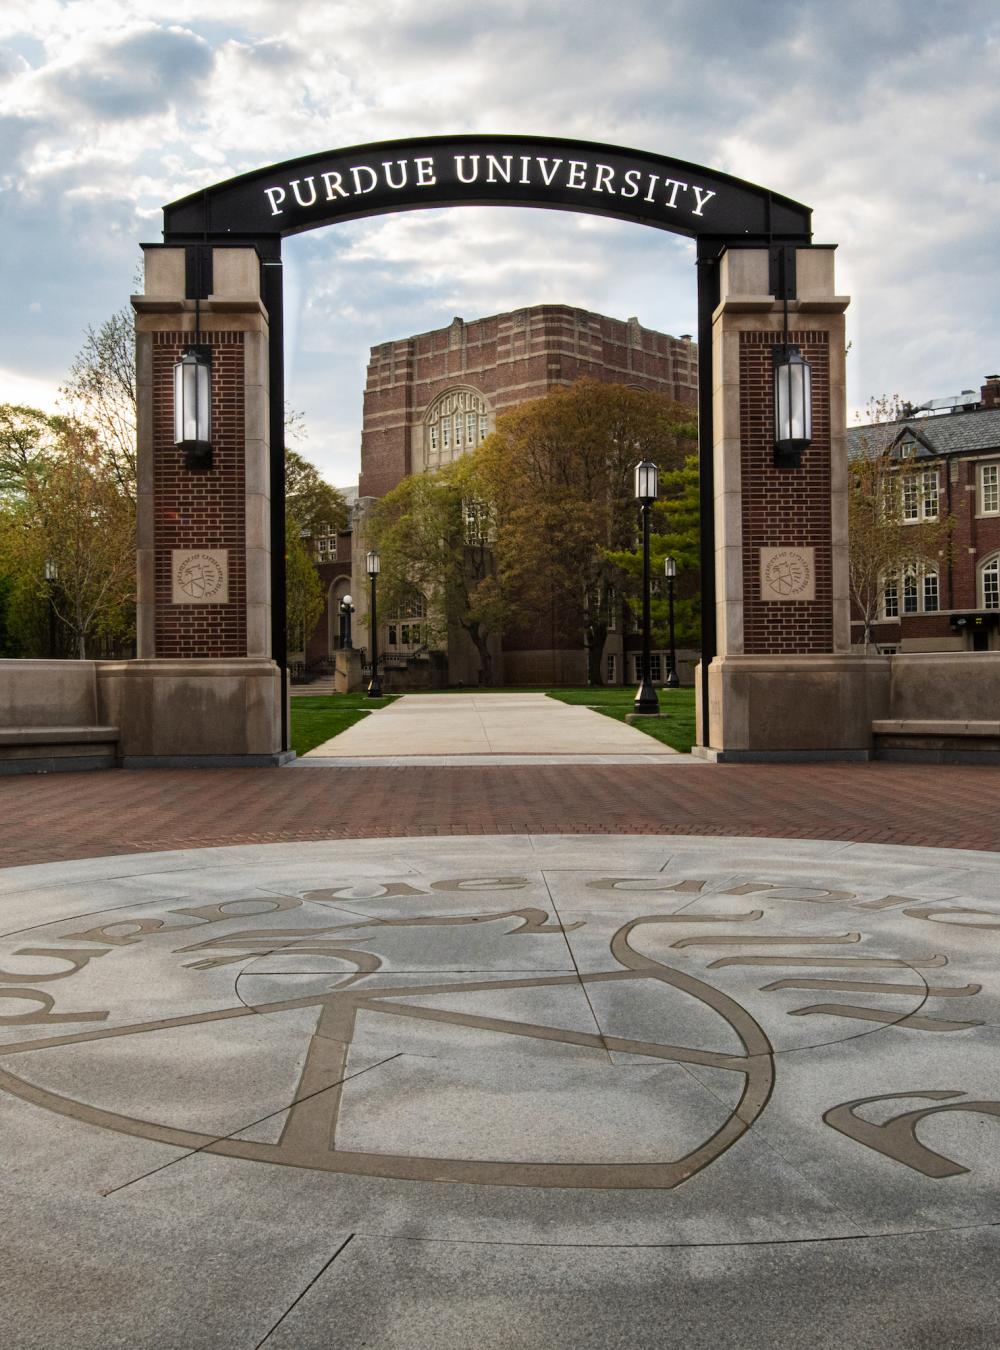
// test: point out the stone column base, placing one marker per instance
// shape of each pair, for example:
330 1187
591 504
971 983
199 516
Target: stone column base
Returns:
788 708
197 713
347 674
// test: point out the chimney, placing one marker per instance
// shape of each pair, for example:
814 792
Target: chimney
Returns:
990 392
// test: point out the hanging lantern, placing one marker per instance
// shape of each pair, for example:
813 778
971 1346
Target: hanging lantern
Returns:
646 481
193 407
792 406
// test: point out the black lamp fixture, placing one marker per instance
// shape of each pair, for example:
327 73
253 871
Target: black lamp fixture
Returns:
792 393
647 480
346 610
193 407
373 564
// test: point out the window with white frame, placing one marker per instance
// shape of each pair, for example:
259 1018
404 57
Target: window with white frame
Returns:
910 593
989 489
921 496
989 586
655 666
915 591
611 668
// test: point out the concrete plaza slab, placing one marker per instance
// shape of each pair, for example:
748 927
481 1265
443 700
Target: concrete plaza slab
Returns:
429 725
528 1091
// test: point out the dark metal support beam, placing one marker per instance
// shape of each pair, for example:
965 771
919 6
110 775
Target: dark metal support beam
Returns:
708 297
272 292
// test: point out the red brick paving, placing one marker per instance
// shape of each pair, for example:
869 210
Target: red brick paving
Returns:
46 818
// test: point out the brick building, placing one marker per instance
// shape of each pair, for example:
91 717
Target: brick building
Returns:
432 397
953 605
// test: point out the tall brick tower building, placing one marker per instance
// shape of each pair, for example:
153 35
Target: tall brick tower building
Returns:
431 397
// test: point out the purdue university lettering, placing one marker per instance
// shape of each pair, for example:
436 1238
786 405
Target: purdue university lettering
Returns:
538 172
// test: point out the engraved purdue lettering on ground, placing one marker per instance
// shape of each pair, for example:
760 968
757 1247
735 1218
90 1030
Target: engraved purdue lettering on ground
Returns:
308 1138
532 921
897 1137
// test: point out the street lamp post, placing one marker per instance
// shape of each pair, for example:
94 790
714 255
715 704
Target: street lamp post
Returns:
646 485
51 574
374 567
346 610
670 571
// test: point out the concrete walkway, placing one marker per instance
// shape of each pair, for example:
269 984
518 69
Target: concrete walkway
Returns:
522 1093
488 724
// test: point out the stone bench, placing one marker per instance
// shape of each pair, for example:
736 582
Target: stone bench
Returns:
55 749
937 740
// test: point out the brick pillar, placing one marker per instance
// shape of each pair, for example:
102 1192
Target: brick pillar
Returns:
204 687
784 684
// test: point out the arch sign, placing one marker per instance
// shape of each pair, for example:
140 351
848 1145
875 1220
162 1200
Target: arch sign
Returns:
668 194
218 271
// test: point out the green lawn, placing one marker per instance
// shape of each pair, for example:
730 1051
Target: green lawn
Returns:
316 719
675 729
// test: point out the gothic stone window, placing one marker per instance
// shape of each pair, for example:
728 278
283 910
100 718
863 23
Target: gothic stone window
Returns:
456 422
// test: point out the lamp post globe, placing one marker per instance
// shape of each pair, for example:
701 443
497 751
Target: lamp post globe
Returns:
374 566
670 572
646 488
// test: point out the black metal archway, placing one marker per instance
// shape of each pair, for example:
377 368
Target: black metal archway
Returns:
259 209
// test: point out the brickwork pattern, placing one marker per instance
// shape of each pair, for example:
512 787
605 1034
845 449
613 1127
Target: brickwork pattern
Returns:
47 817
200 510
509 359
784 508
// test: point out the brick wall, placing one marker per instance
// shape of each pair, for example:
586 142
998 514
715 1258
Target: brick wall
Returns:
784 507
200 510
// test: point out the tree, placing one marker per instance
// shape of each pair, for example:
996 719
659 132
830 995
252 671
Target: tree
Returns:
311 504
558 473
101 392
303 594
29 442
433 532
71 518
676 533
884 543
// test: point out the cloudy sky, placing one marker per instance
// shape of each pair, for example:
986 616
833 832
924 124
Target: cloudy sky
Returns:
883 115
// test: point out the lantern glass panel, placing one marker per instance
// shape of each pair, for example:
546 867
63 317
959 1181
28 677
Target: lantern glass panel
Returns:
192 394
646 480
793 400
374 564
670 567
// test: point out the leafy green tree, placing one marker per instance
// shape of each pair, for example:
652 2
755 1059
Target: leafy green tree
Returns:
311 503
434 532
304 598
676 533
558 474
69 518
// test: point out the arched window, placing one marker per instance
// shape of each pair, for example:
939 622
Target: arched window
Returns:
455 423
989 582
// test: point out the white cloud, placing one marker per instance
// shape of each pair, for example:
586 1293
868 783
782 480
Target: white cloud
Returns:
880 116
